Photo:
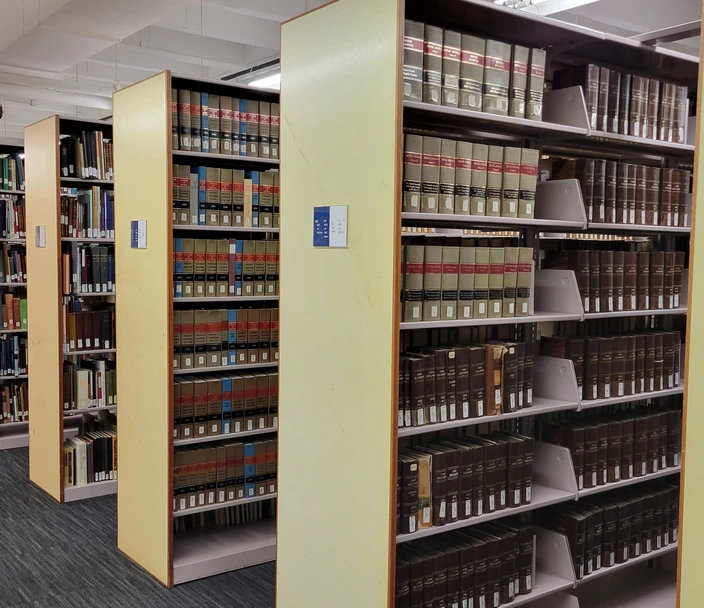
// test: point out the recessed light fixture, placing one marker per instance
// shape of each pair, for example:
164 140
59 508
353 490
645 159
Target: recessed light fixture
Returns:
273 81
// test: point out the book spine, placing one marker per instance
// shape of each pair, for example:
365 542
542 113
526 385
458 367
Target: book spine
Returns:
451 56
413 61
432 64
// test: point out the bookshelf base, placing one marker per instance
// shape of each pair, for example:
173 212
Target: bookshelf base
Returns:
632 588
14 435
204 553
90 490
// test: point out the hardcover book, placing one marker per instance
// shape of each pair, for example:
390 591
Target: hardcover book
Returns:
519 78
432 64
472 72
535 84
496 77
451 55
413 60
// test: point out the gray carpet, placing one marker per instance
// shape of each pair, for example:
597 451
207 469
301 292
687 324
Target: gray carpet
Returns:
65 556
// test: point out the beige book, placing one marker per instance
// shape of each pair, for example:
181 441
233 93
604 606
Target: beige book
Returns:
463 177
448 151
511 181
412 165
480 156
432 279
524 281
528 183
430 175
449 281
465 283
481 283
510 281
494 180
414 257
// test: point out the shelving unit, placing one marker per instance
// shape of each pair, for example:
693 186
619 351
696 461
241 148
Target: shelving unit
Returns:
48 353
340 349
144 155
13 434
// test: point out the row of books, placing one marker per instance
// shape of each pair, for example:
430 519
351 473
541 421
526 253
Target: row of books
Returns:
91 457
225 268
208 196
86 328
88 213
629 104
202 122
13 355
13 264
87 269
611 281
11 171
464 178
224 472
440 384
487 565
86 155
441 483
609 448
620 365
14 402
220 337
443 67
612 529
447 282
14 312
235 515
88 383
623 193
13 219
219 404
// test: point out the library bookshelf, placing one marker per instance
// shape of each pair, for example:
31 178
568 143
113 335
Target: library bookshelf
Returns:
54 298
340 351
14 425
149 154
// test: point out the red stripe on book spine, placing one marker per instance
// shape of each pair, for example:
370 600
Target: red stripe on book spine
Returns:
450 268
412 44
531 170
496 268
513 168
495 167
433 268
466 268
472 58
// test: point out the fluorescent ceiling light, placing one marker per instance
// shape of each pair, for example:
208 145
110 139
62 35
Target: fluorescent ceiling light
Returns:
272 81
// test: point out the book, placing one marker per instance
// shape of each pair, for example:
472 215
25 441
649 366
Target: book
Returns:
463 178
430 175
494 180
184 119
511 176
497 66
432 278
614 100
432 64
535 84
586 76
448 151
528 183
413 60
520 57
451 58
602 118
472 72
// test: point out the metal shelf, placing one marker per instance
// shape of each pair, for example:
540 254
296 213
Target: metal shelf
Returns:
13 331
13 284
88 410
90 490
97 351
645 557
591 404
189 228
72 239
14 241
233 158
13 192
637 228
538 317
542 497
629 482
227 299
90 294
224 368
617 314
86 181
206 552
229 436
467 221
20 377
223 505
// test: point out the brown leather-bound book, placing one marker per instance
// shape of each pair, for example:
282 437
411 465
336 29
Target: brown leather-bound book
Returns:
639 105
452 473
615 453
624 106
658 372
493 378
652 194
520 374
602 110
477 383
641 194
630 281
611 190
685 189
630 374
631 193
586 76
591 369
408 469
669 280
462 381
674 438
614 99
640 364
618 367
667 111
571 437
653 442
591 455
627 468
676 196
510 379
438 478
643 280
657 281
668 366
466 475
594 281
605 365
622 193
619 263
603 453
599 199
529 348
582 170
650 363
606 286
451 382
431 404
653 110
578 262
677 287
417 365
679 123
666 198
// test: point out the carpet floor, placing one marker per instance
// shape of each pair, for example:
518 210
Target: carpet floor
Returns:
65 556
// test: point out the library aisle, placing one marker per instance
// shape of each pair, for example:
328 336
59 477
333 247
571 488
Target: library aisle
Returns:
65 556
